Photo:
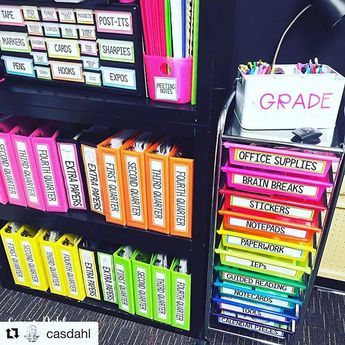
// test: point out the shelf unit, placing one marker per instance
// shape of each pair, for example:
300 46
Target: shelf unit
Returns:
75 105
224 134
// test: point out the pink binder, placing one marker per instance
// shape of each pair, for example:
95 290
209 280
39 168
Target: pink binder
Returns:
43 141
8 164
20 136
3 193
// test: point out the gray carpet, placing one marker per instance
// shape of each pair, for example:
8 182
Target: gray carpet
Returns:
325 324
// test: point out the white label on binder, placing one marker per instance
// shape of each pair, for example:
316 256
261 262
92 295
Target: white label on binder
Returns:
90 273
38 43
43 72
15 259
40 58
69 31
116 50
52 29
157 190
72 284
11 15
88 48
253 304
14 42
7 170
121 281
34 28
180 198
165 88
161 291
47 174
26 168
180 301
67 71
281 186
84 16
30 261
134 188
119 77
87 32
63 49
30 13
264 206
52 265
114 22
142 290
113 186
92 174
265 246
278 229
91 63
69 162
49 14
260 265
19 66
66 15
108 279
93 78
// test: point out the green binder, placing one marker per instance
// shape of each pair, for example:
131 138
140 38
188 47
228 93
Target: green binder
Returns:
161 289
181 291
124 279
141 267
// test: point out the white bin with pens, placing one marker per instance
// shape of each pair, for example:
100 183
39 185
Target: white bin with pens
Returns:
290 100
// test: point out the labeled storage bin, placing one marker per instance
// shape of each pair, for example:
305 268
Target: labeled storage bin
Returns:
306 163
270 227
290 269
290 100
256 181
169 79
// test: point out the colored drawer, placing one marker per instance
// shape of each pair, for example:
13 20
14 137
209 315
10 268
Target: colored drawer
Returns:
275 184
270 227
285 160
281 208
285 268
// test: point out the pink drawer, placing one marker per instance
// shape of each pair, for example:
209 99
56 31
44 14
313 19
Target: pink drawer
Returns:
303 163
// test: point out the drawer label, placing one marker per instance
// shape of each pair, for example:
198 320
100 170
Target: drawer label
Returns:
88 48
156 178
69 272
107 277
51 29
34 28
14 42
275 208
31 263
92 78
49 14
84 16
19 66
90 273
119 77
30 13
115 50
40 58
262 226
143 298
66 15
122 287
91 63
63 49
67 71
278 160
52 265
114 22
43 72
87 32
69 31
265 183
11 15
13 254
38 43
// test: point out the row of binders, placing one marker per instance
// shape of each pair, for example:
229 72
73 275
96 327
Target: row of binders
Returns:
149 285
275 201
133 178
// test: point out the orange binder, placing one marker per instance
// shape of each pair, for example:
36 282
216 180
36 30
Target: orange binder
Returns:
109 157
133 167
181 170
157 177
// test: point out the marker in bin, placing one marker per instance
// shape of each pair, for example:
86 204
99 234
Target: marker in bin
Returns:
311 67
256 67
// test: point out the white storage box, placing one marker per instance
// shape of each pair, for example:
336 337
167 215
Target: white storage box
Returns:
288 101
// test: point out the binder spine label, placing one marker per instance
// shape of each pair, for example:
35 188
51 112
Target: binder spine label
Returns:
72 284
15 259
157 190
136 205
142 290
69 161
90 273
181 287
108 279
161 295
122 284
8 171
93 177
51 261
27 172
47 174
113 186
181 197
32 265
